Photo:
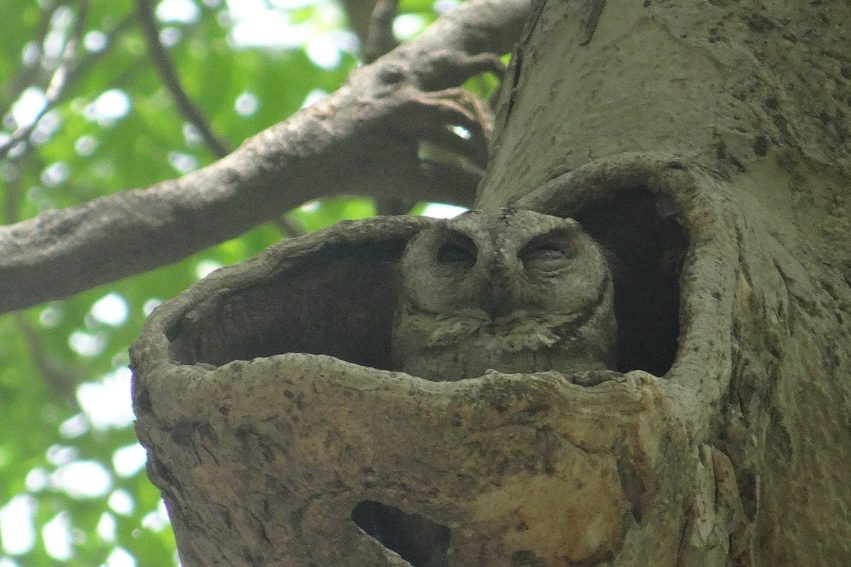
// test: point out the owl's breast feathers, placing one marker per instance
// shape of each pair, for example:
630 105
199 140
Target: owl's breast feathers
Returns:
518 331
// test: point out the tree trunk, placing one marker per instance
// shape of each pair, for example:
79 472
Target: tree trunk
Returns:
736 114
706 146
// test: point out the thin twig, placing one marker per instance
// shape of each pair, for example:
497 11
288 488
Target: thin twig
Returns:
28 74
167 72
380 39
74 72
13 193
60 379
358 13
113 35
391 206
57 84
290 226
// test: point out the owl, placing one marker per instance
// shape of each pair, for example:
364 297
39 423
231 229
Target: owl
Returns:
509 290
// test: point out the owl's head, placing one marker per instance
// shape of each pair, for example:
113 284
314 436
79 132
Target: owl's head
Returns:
502 261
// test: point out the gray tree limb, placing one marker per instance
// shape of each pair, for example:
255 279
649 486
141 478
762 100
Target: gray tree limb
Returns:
361 140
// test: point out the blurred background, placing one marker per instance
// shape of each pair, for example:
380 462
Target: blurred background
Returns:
87 111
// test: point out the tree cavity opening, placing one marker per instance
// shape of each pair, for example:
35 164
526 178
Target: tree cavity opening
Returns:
647 244
417 540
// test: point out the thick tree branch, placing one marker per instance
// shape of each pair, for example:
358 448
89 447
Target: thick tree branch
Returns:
355 142
170 79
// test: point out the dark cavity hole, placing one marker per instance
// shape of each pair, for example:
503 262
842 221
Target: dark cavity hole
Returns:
648 246
416 539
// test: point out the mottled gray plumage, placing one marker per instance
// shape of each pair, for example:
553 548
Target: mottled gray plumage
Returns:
509 290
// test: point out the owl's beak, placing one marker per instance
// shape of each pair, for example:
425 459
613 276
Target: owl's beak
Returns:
498 302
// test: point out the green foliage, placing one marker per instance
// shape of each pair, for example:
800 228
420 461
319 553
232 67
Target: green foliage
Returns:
72 488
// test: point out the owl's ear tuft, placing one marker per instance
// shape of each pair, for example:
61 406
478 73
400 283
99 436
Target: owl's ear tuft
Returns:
332 292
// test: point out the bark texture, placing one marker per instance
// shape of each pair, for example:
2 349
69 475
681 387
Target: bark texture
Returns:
699 142
735 116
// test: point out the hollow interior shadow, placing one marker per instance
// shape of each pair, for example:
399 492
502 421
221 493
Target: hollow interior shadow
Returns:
416 539
647 246
338 301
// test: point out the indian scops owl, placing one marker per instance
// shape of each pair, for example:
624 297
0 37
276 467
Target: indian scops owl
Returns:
508 290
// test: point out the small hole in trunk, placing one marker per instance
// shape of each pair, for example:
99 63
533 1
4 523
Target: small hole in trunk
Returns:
418 540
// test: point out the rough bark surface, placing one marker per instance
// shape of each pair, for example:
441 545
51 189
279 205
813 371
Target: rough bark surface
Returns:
711 134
